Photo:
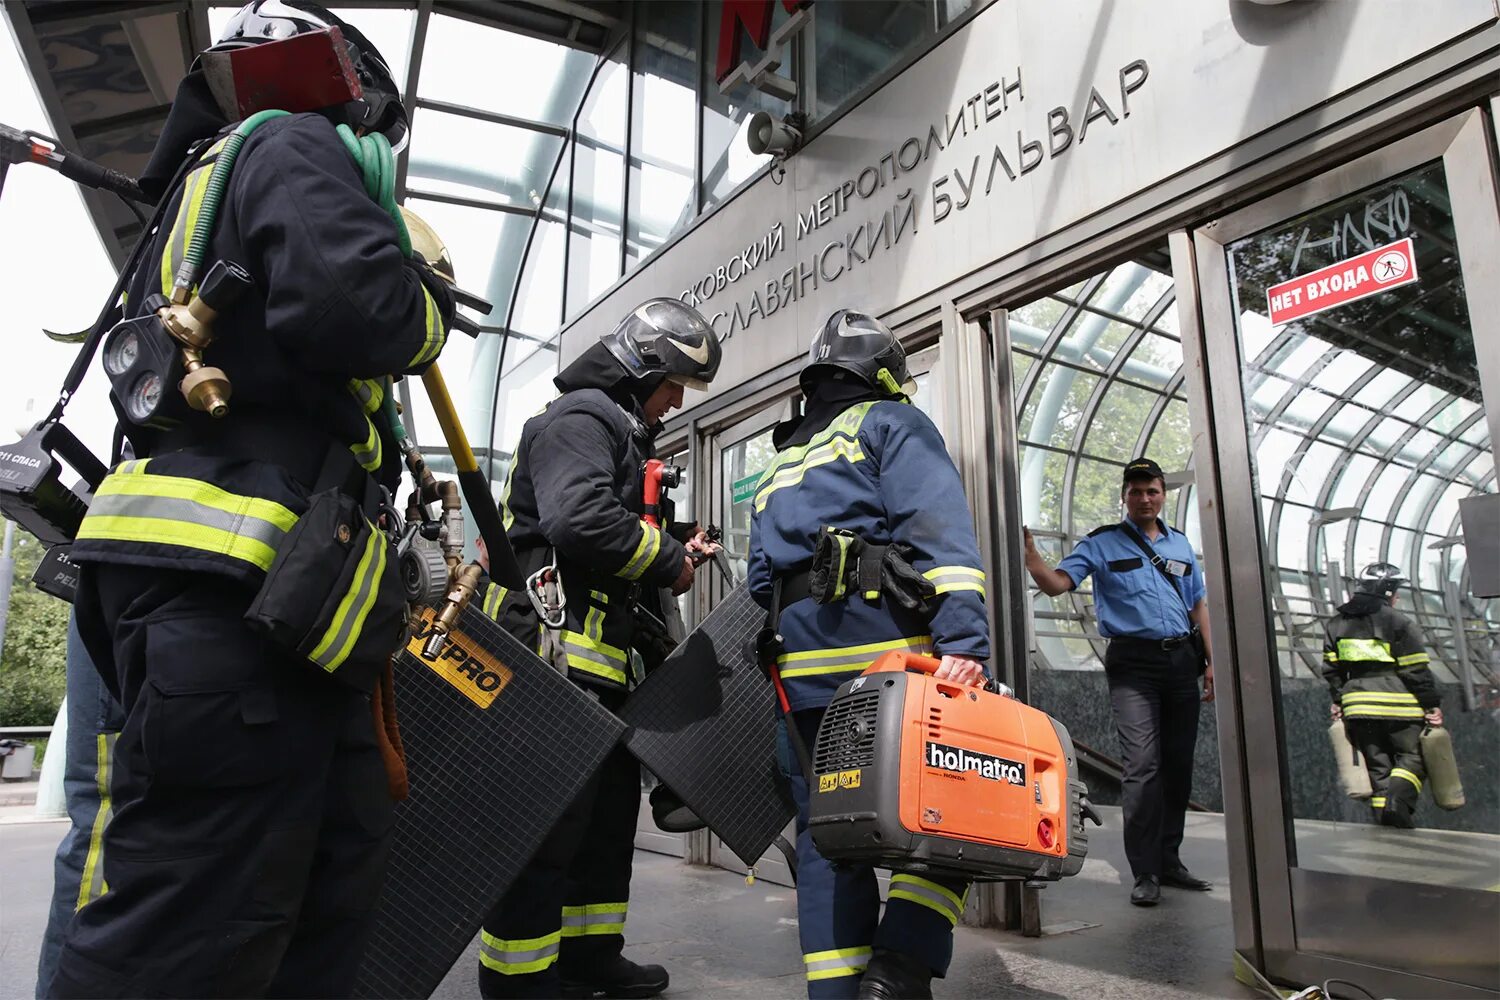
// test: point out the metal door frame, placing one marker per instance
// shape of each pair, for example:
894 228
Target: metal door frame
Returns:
1270 896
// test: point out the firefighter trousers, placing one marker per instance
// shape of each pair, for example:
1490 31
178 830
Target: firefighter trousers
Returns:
251 811
566 911
1393 758
838 905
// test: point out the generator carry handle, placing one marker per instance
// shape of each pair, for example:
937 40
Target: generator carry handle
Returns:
897 661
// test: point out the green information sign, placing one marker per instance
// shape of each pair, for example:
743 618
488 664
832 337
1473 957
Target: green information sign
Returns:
743 489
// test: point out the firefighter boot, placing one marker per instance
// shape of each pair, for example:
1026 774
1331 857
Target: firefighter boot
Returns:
616 976
894 976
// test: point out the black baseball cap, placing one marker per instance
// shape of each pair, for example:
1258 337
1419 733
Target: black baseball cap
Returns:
1144 468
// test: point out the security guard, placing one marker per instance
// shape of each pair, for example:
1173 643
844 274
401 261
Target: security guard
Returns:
251 805
573 508
1148 595
1377 674
864 473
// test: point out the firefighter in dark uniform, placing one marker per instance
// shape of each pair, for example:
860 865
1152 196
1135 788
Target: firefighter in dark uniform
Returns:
1149 599
251 805
1377 674
574 505
865 462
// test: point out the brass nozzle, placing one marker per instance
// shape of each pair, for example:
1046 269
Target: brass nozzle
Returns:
460 589
205 387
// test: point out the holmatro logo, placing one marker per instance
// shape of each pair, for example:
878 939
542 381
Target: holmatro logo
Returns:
983 764
477 675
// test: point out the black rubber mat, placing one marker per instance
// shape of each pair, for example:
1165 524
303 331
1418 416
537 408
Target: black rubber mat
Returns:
497 745
704 722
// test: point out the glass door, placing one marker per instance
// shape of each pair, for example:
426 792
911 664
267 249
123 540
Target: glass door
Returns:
1350 356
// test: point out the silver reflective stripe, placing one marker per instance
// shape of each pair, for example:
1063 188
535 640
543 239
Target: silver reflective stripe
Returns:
837 963
160 508
592 655
350 615
520 956
930 896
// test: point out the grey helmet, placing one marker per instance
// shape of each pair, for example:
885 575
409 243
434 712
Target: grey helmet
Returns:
861 345
378 110
666 337
1381 579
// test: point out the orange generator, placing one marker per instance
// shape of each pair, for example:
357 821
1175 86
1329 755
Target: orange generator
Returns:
921 775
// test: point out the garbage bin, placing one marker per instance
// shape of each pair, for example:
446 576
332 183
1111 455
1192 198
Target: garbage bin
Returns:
19 759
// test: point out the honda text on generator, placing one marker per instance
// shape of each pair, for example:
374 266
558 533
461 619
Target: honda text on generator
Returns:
922 775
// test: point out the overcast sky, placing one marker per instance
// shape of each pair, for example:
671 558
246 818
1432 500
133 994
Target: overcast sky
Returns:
53 274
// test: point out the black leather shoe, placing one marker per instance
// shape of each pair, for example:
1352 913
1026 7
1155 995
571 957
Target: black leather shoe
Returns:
617 977
1181 878
894 976
1147 891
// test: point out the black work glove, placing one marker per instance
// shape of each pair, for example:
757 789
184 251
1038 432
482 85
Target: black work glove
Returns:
900 581
442 295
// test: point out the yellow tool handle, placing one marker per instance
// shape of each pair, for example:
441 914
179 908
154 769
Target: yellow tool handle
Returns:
447 418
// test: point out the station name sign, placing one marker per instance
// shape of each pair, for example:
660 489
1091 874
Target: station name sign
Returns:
980 148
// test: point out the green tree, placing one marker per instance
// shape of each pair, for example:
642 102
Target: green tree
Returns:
33 675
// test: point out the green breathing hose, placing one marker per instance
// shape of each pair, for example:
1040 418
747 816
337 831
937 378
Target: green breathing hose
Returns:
372 153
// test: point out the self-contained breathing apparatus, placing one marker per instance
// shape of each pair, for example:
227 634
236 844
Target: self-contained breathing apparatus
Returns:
325 581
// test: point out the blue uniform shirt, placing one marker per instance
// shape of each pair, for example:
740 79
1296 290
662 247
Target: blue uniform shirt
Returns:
1131 596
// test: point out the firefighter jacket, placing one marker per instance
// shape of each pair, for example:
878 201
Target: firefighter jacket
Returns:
1375 665
879 468
335 308
575 492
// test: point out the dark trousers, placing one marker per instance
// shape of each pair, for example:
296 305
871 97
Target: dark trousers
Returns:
94 721
839 920
251 809
1154 694
1392 749
565 914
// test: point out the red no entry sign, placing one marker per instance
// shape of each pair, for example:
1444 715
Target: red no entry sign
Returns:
1338 284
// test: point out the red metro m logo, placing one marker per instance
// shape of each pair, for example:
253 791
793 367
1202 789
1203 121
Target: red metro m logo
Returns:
754 17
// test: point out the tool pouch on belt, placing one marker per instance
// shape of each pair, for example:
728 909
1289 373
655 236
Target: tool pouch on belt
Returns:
333 594
845 565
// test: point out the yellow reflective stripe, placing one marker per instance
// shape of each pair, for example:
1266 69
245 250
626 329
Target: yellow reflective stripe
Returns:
593 625
369 392
838 577
1365 650
593 657
193 190
1403 773
1330 656
836 962
645 553
845 659
158 531
92 885
594 918
1411 659
947 579
927 893
493 596
1378 711
370 453
847 448
349 617
519 957
436 337
1386 697
1377 802
136 482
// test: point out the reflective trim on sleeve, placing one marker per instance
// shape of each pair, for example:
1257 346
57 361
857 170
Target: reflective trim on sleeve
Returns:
645 553
494 594
593 919
369 453
950 578
436 336
925 892
845 659
517 958
1377 802
369 392
1412 659
594 657
836 962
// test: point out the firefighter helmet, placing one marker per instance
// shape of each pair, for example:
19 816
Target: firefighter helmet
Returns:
378 110
1381 579
666 337
860 345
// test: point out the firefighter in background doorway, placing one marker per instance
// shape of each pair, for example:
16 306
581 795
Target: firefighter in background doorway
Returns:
573 508
1377 674
251 806
865 474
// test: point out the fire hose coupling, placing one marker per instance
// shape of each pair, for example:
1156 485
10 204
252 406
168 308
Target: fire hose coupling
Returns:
465 582
453 523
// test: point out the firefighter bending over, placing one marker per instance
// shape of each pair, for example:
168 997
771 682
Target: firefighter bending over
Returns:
574 506
251 805
1377 674
863 476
